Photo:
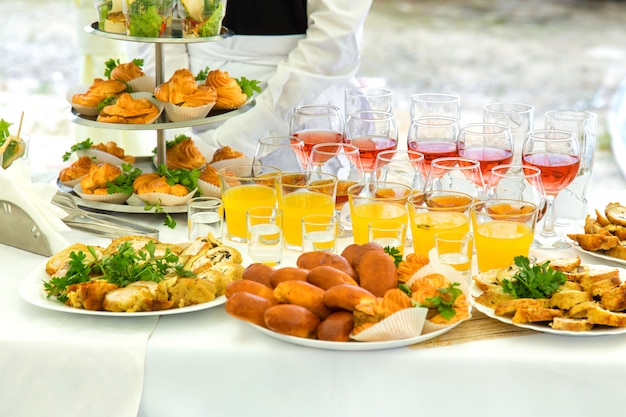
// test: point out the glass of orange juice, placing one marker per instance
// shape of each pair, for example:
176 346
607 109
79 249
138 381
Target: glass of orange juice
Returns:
374 201
503 229
435 212
244 187
300 194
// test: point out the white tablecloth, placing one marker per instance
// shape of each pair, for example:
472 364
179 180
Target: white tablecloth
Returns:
207 364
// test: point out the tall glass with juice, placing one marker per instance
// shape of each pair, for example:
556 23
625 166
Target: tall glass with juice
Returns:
302 194
371 202
503 229
244 187
436 212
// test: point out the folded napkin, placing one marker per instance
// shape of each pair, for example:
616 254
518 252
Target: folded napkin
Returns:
17 187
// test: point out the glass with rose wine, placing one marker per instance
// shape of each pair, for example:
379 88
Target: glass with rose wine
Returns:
316 124
557 154
372 132
434 137
488 143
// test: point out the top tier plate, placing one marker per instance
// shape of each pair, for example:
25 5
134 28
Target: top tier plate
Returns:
176 36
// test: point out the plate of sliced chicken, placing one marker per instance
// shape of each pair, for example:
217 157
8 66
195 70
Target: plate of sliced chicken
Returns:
603 234
567 297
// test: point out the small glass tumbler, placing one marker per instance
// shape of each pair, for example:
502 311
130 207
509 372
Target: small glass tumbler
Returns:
204 215
265 236
388 233
456 249
201 19
319 233
148 19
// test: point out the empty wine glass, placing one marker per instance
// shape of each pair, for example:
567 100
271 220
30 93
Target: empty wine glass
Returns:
435 104
283 152
372 132
519 117
456 174
518 182
368 98
316 124
488 143
557 154
403 166
434 137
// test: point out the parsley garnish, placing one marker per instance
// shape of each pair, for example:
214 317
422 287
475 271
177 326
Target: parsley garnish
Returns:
79 271
180 176
124 182
169 220
445 300
202 74
394 253
248 86
86 144
538 281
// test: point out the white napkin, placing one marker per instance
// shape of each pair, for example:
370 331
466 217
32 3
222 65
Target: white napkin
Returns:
17 187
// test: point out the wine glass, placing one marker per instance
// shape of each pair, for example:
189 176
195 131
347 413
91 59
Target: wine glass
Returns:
456 174
372 132
519 117
283 152
315 123
435 104
518 182
557 154
434 137
403 166
488 143
368 98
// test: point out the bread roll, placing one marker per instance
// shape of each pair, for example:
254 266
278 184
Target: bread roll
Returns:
248 307
259 272
348 251
252 287
377 272
287 273
336 327
362 250
346 297
309 260
325 276
292 320
303 294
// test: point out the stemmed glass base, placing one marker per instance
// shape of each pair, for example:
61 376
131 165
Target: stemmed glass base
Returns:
548 239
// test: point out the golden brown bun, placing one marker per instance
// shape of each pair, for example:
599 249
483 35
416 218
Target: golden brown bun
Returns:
248 307
292 320
98 177
377 272
182 90
78 169
310 260
127 110
336 327
251 287
287 273
303 294
325 276
348 251
346 297
260 273
226 152
184 155
229 93
98 91
111 147
361 250
126 72
209 174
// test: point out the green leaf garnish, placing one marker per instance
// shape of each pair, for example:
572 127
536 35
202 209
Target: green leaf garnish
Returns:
394 253
84 145
4 130
169 220
444 302
202 74
249 86
537 281
124 182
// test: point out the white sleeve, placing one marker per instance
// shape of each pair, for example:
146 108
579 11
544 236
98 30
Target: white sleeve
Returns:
322 65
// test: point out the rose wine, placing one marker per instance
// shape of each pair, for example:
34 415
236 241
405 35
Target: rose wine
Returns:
557 170
433 149
313 137
488 157
369 147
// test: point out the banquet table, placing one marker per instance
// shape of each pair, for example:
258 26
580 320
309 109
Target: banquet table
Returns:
206 363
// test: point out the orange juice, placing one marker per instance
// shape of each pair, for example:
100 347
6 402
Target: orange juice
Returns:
298 204
238 200
499 242
365 213
426 224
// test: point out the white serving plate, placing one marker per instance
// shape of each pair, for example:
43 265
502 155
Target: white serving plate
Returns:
31 290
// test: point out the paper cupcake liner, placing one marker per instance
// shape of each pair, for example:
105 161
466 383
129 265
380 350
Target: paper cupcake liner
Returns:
145 84
72 183
209 190
180 114
403 324
165 199
232 162
101 157
115 198
84 110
